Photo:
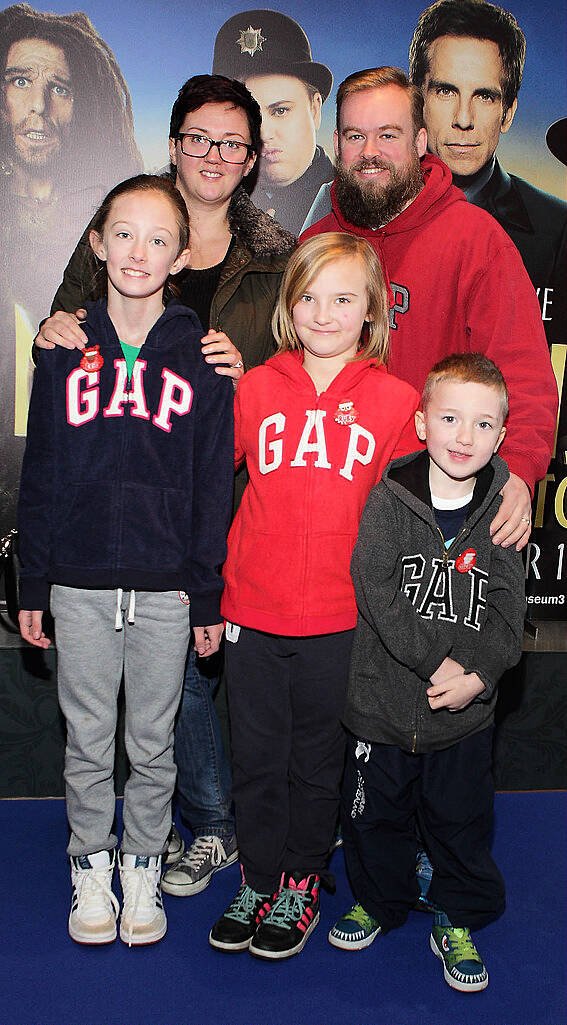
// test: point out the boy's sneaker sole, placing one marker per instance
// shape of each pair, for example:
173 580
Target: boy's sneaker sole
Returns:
344 943
282 955
463 985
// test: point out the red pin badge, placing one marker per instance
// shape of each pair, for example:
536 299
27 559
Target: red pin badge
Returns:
346 413
91 360
465 561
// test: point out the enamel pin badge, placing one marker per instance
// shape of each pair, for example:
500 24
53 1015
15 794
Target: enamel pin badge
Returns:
346 413
91 360
465 561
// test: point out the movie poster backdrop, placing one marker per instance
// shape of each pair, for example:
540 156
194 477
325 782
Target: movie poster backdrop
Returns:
86 101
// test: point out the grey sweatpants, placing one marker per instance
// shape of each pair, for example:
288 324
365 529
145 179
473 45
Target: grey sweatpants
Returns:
91 656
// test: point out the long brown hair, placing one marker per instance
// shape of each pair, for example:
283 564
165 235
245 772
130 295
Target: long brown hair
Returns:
140 183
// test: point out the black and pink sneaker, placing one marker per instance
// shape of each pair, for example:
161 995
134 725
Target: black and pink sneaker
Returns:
284 929
234 930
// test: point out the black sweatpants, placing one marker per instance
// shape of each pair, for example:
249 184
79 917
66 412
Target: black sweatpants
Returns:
286 696
451 795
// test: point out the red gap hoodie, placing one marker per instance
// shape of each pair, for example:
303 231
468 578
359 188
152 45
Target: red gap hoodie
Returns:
312 460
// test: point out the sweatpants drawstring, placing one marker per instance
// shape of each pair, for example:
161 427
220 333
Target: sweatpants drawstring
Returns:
131 609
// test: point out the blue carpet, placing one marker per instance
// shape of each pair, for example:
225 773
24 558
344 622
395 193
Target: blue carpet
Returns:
49 980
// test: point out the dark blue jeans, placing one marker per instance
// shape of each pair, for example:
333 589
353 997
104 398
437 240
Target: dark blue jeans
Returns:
203 770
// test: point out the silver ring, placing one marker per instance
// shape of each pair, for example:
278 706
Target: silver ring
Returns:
525 519
239 364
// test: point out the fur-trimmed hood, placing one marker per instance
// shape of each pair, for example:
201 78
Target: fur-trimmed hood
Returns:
256 230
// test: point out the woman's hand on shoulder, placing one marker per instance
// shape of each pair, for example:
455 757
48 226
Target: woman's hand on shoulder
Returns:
218 350
62 329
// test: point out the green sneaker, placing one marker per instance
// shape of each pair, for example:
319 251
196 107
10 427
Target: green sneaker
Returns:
463 966
354 930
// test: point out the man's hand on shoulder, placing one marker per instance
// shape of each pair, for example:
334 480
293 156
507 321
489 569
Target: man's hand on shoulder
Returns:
513 521
62 329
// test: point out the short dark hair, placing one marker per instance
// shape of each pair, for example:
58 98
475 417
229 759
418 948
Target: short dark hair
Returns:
467 368
140 183
102 135
377 78
479 20
203 89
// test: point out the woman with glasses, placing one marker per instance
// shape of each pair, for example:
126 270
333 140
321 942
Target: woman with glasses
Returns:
237 258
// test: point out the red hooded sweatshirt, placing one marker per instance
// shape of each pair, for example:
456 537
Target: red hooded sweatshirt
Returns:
459 285
312 461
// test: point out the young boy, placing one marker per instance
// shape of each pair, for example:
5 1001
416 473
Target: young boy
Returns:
440 616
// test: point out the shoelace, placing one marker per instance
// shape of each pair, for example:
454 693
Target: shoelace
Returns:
204 847
290 904
462 946
94 887
244 904
139 889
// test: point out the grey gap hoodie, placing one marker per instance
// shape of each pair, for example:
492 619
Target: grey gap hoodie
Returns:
418 603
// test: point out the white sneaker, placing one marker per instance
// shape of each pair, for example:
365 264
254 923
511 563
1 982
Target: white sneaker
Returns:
143 918
94 908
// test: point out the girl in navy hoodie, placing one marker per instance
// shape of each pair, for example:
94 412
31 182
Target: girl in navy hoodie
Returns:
317 425
125 501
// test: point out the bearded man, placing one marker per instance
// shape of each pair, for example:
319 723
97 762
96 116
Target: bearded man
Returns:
458 283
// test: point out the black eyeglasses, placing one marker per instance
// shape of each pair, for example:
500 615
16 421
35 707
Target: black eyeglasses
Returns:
230 151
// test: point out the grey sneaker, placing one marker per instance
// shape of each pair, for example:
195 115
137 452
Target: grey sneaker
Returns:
143 918
94 908
175 846
192 873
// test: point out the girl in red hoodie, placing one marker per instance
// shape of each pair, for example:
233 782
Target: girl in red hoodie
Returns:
316 424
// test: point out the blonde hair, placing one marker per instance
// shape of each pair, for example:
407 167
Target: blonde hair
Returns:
467 368
306 263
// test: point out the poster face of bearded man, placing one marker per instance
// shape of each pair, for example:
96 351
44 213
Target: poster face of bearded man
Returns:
38 104
378 152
